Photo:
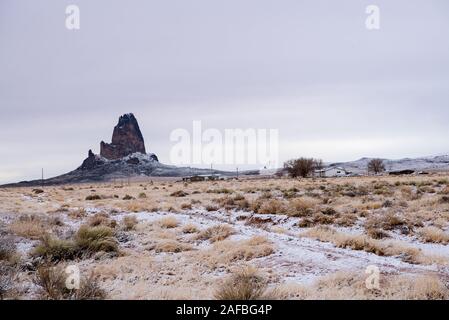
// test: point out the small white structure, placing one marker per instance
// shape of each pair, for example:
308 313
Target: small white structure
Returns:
333 172
268 172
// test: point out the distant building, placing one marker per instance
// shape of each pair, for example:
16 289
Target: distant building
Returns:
332 172
268 172
401 172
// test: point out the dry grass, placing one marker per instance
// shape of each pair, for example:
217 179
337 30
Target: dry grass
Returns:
220 190
390 221
211 207
77 214
384 206
87 241
95 239
225 252
376 233
434 235
101 219
318 218
168 222
301 207
186 206
245 284
129 223
237 201
179 194
55 250
216 233
135 206
272 206
351 285
8 276
171 246
7 249
52 281
445 191
248 284
190 228
346 220
29 227
364 243
142 195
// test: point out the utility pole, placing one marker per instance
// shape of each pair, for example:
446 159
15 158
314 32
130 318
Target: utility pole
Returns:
42 177
237 172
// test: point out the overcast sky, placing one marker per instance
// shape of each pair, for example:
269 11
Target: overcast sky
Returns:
311 69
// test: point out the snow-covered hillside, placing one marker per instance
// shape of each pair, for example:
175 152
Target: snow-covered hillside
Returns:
424 163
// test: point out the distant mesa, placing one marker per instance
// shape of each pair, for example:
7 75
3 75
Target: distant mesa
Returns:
126 139
124 157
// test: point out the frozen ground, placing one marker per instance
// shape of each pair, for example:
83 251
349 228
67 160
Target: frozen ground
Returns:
143 270
300 259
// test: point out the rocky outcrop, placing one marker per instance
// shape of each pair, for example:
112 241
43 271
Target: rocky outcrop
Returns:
124 157
126 139
133 161
91 161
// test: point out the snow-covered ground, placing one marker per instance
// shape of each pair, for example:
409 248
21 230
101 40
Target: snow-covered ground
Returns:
300 259
140 270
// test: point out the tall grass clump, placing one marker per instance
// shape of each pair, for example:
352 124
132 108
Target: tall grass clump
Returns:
245 284
52 284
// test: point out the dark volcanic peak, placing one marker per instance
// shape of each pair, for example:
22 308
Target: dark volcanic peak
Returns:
126 139
129 120
124 157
